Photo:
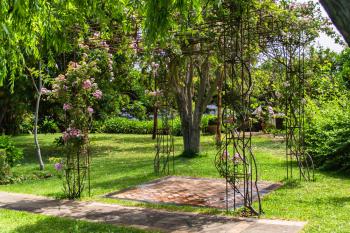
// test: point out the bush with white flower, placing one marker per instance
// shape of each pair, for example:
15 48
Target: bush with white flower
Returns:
77 91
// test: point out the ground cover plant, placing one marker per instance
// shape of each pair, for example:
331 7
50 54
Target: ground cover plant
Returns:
125 160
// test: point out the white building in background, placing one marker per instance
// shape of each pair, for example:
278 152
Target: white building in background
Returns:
212 109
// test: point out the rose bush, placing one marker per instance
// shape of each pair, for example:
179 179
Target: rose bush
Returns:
77 91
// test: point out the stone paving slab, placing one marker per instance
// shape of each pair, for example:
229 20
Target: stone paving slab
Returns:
144 218
203 192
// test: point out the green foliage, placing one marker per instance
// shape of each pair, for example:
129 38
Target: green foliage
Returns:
212 121
13 154
26 126
5 170
328 133
49 126
343 67
136 109
9 156
328 111
128 126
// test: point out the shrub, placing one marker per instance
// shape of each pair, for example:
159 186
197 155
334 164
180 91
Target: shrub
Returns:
327 133
13 154
9 156
212 121
125 126
26 126
128 126
208 120
5 171
49 126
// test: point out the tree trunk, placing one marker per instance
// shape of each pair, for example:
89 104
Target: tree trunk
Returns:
191 136
37 146
190 114
2 116
36 117
339 12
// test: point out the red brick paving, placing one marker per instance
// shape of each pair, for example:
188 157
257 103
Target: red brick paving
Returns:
203 192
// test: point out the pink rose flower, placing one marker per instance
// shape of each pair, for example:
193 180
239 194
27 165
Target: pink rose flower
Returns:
73 65
90 110
71 133
97 34
75 133
236 157
87 84
225 154
61 78
270 110
155 93
67 107
97 94
154 65
65 136
45 91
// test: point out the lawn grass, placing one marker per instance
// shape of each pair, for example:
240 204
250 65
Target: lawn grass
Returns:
23 222
121 161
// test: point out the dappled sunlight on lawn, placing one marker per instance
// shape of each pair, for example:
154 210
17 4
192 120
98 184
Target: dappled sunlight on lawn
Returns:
122 161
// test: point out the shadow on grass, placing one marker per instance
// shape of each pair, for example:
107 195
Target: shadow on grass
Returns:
291 184
335 174
134 139
339 200
123 182
98 151
268 143
59 225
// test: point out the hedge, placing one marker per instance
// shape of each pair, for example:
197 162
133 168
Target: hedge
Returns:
327 134
128 126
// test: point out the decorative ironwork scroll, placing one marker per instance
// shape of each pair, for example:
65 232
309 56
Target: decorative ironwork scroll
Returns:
295 110
287 48
235 160
164 160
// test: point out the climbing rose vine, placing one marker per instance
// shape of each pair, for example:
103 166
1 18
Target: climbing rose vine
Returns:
77 91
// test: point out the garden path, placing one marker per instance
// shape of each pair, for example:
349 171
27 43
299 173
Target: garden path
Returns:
144 218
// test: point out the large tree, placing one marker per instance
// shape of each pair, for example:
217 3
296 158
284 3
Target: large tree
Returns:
38 34
193 82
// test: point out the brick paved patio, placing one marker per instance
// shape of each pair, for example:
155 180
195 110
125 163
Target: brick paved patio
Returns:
203 192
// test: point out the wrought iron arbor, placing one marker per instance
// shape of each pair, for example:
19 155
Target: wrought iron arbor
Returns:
164 160
288 49
235 160
294 112
240 33
241 36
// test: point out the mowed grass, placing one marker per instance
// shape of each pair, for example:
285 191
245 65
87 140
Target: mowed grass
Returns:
121 161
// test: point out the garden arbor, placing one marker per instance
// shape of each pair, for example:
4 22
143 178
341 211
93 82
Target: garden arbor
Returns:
245 35
236 34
